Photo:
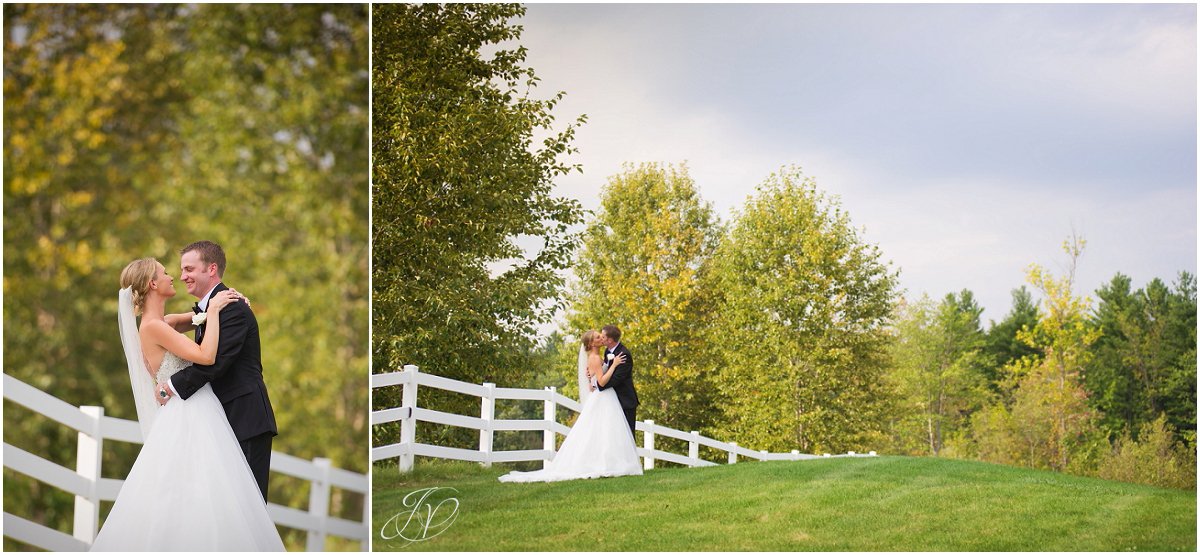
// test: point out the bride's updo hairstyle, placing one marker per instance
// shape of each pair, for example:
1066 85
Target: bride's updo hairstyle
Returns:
137 276
588 339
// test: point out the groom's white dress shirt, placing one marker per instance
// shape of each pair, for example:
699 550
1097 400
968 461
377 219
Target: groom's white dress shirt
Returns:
203 304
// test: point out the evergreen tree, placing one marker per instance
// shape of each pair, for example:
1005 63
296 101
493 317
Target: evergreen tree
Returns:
1113 388
1144 359
1179 338
1003 346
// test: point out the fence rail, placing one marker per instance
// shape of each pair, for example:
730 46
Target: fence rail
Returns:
89 488
409 413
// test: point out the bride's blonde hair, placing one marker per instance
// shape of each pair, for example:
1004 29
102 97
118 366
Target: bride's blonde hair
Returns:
137 276
589 339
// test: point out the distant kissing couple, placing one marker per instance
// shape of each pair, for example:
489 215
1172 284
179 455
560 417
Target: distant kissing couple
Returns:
601 442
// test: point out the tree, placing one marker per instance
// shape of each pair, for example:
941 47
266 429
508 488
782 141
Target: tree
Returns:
458 179
800 323
1156 458
1114 390
76 168
72 181
940 362
643 266
1048 419
1179 338
1003 345
1144 359
279 120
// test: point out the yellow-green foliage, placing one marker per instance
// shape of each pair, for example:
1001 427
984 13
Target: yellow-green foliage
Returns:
1155 458
643 267
799 325
938 372
1045 420
459 175
133 130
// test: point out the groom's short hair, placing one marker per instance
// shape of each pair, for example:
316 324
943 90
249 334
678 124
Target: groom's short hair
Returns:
210 253
610 331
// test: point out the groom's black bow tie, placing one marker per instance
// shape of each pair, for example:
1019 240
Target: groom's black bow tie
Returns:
196 308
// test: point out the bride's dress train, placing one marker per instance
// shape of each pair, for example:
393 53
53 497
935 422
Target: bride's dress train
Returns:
190 488
599 445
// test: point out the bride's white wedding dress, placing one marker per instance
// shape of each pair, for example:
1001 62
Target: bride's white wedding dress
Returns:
190 488
599 445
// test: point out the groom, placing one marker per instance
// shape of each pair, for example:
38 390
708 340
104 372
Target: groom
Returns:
237 375
622 378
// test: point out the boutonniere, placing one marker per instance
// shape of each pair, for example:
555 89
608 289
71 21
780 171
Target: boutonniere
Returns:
199 319
610 356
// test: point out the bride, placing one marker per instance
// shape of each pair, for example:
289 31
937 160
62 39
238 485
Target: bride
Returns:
190 488
600 444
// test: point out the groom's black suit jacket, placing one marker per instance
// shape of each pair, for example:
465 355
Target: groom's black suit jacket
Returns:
621 380
236 375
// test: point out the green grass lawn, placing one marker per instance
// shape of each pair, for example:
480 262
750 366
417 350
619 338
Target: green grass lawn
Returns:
845 504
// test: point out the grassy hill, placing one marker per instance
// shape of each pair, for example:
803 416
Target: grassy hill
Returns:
850 504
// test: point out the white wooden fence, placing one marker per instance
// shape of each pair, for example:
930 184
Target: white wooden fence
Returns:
409 413
89 488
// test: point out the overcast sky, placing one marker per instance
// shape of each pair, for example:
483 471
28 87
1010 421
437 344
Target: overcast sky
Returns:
967 140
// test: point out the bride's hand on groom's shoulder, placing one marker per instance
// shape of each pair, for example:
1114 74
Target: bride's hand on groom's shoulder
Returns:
223 299
242 297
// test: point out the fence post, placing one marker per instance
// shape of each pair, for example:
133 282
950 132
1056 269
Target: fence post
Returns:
318 505
366 519
87 465
733 453
487 412
408 426
795 455
551 407
694 447
648 439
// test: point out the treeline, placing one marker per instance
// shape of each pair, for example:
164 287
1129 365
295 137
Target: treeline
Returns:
132 130
1103 389
783 330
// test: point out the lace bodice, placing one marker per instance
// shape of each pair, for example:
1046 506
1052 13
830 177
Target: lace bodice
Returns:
171 363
